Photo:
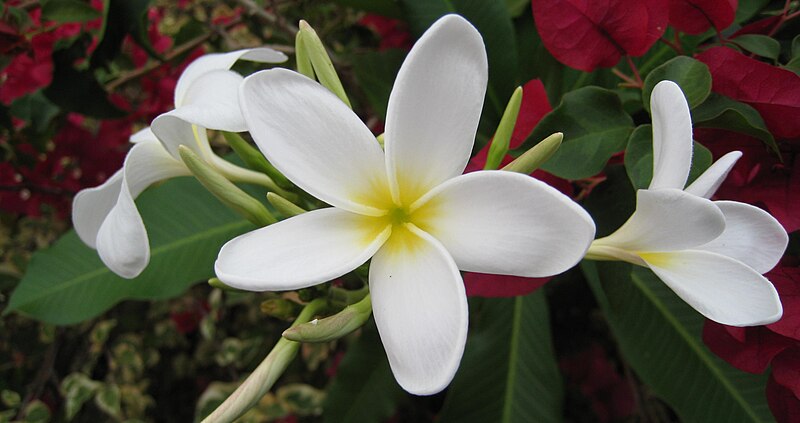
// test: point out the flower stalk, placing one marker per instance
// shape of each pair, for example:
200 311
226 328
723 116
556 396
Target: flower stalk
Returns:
254 159
264 376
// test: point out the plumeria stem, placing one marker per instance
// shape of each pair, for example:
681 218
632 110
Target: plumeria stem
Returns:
264 376
239 174
228 193
284 206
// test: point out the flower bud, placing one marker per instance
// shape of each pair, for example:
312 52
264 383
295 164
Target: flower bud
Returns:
502 136
228 193
537 155
333 327
321 61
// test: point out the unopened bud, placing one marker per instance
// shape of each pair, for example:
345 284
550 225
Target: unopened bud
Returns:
216 283
502 136
321 61
537 155
228 193
304 66
333 327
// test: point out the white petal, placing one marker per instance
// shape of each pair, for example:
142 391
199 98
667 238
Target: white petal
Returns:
305 250
315 140
91 206
506 223
672 136
143 135
722 289
174 129
667 220
751 236
434 108
221 61
420 308
707 184
122 239
212 102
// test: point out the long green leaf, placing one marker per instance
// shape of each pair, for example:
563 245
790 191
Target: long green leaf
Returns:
67 283
363 389
509 372
660 337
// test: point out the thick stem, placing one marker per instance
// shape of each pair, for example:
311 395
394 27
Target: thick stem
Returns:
264 376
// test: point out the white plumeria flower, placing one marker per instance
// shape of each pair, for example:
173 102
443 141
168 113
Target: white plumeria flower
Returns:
206 96
409 209
712 254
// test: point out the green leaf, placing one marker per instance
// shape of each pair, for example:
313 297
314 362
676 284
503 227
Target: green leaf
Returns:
692 76
796 47
509 372
760 45
77 388
595 127
109 399
364 389
36 109
375 72
36 412
724 113
748 9
660 337
67 283
639 158
516 7
63 11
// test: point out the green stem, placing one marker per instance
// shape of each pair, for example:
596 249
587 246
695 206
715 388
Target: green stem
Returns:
264 376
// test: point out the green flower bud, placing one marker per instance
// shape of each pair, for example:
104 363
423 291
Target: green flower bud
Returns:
537 155
228 193
502 136
333 327
321 61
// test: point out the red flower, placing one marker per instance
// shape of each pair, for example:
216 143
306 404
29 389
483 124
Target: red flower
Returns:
758 178
392 32
586 34
773 91
697 16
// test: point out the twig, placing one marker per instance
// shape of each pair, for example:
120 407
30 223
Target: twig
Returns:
177 52
281 23
42 376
